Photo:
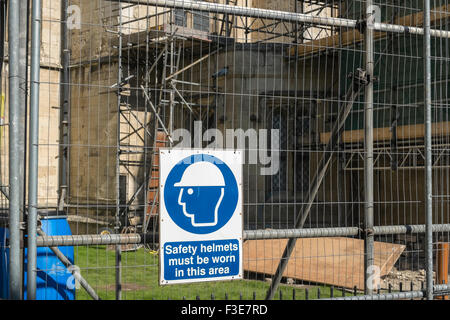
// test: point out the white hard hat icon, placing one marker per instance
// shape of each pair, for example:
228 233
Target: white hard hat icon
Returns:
201 174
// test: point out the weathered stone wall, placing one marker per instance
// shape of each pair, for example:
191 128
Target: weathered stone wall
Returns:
94 111
48 112
92 40
93 135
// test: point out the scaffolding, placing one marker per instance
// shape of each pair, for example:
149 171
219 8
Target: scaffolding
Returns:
163 48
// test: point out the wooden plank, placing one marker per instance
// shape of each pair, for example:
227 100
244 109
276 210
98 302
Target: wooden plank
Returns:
414 131
354 36
333 261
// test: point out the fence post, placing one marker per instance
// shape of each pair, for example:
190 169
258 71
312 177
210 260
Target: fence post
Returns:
428 154
22 115
118 248
65 108
368 149
15 200
34 148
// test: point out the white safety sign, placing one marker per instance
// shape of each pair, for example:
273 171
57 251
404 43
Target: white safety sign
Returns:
200 215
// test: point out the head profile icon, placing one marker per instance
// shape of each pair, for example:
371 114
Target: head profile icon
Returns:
201 192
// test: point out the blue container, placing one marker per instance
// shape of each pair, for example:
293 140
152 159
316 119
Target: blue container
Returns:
4 273
53 281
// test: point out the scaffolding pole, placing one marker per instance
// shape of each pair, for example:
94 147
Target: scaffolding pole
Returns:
285 16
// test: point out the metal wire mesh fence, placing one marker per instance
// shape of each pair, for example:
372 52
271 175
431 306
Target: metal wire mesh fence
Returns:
340 107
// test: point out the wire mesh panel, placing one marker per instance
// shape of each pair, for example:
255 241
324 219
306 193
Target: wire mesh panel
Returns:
334 184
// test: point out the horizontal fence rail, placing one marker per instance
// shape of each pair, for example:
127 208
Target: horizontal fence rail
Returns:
438 290
110 239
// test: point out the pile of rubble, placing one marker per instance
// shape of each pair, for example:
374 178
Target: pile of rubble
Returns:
405 280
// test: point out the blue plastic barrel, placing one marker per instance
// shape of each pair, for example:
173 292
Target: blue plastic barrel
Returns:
4 273
53 280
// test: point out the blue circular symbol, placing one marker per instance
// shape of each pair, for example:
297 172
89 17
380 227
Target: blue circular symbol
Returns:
201 194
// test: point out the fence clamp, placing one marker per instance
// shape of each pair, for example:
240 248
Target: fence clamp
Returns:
368 232
23 226
360 79
361 25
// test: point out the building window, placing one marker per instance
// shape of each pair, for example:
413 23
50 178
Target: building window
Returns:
180 17
200 21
